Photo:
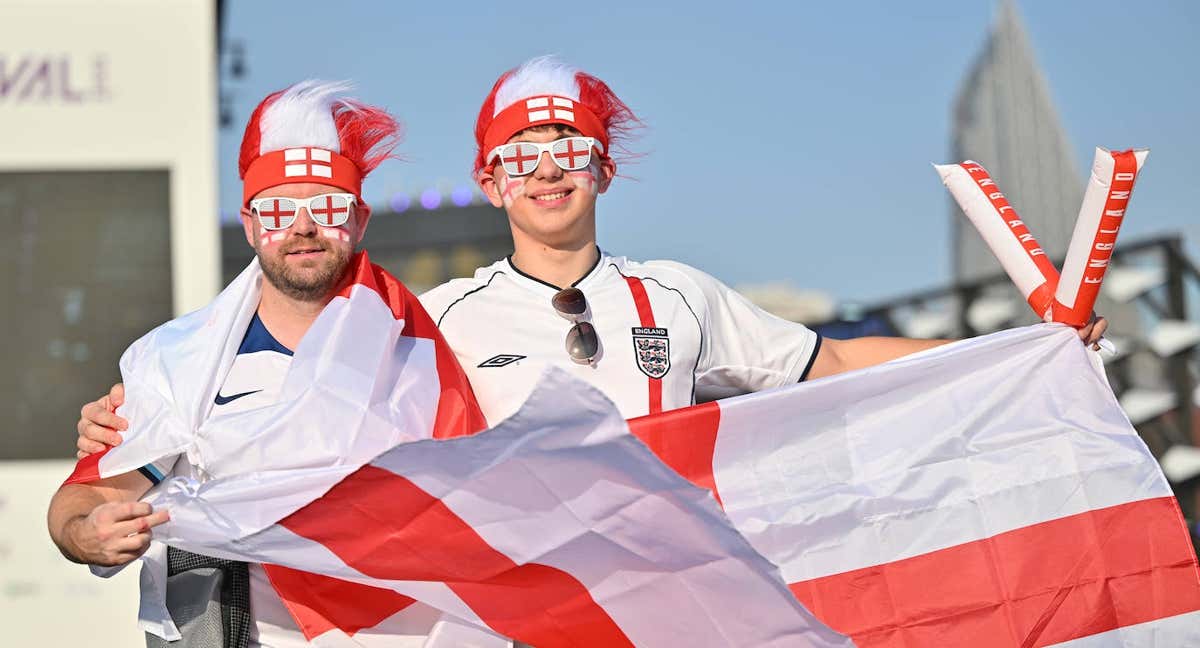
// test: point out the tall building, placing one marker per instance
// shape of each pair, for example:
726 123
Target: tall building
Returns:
1004 119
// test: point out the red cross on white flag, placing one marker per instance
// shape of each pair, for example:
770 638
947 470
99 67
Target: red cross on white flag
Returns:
569 153
331 211
306 162
540 108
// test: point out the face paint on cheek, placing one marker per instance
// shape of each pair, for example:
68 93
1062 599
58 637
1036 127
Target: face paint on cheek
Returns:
587 179
511 189
269 237
335 233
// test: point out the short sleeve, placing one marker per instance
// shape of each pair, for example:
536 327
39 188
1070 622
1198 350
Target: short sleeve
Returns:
745 349
158 470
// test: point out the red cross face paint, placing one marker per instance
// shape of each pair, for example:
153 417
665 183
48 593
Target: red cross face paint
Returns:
510 189
588 179
335 233
268 237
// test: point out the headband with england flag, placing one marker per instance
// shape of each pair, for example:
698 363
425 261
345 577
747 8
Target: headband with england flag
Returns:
545 91
311 132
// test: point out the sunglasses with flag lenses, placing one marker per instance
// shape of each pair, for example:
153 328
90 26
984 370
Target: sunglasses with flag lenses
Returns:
327 210
521 158
582 342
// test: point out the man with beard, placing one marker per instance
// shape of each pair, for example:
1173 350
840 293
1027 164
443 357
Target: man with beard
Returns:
304 155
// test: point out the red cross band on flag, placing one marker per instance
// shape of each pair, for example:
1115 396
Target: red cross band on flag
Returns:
568 152
307 162
541 108
335 210
280 213
520 153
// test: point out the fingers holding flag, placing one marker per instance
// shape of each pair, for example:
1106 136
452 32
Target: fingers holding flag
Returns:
99 426
114 533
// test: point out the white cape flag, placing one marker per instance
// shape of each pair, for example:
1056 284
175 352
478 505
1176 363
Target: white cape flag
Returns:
373 368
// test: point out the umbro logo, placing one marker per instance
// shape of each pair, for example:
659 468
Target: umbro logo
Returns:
502 360
225 400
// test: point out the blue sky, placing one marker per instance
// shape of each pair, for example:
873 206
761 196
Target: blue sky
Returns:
785 140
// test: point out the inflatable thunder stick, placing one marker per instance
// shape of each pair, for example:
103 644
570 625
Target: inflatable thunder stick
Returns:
1068 299
1004 232
1100 217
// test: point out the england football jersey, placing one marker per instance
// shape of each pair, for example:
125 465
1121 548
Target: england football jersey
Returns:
670 336
254 380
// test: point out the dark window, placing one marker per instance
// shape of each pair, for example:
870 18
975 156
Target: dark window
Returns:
87 270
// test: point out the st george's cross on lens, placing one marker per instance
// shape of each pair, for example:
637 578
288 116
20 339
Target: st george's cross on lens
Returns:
582 343
521 158
326 210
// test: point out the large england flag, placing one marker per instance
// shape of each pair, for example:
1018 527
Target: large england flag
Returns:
989 492
557 528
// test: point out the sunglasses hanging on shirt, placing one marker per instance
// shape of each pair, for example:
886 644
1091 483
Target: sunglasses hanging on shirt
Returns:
582 343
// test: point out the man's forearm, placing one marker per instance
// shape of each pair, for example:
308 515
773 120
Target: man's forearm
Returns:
68 508
101 522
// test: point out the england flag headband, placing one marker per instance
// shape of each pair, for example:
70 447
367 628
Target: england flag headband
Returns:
310 132
545 91
541 110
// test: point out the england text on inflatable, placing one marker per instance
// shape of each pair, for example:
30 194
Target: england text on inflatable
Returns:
1068 299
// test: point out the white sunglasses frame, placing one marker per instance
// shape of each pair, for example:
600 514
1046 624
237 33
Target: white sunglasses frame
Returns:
543 148
301 203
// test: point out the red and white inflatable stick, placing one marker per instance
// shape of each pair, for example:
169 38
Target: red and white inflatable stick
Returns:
1004 232
1100 217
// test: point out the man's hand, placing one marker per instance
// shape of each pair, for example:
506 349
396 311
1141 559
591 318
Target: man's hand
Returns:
98 425
1090 334
112 534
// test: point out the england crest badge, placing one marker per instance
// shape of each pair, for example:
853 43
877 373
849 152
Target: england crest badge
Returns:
652 348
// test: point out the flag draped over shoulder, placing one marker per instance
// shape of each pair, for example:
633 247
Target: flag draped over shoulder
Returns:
373 368
989 492
556 528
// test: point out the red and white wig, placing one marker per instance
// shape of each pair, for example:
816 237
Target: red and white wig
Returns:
546 90
311 132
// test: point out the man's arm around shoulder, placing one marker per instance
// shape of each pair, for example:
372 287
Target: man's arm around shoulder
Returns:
101 522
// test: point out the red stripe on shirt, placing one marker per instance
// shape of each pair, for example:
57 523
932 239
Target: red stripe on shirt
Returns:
1034 586
420 538
684 439
646 314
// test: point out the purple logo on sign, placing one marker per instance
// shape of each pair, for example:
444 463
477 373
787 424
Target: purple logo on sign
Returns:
53 78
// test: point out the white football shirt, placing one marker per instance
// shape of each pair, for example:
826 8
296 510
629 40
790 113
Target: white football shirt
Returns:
254 380
670 336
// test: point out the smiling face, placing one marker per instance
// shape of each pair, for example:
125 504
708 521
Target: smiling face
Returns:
305 261
550 207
